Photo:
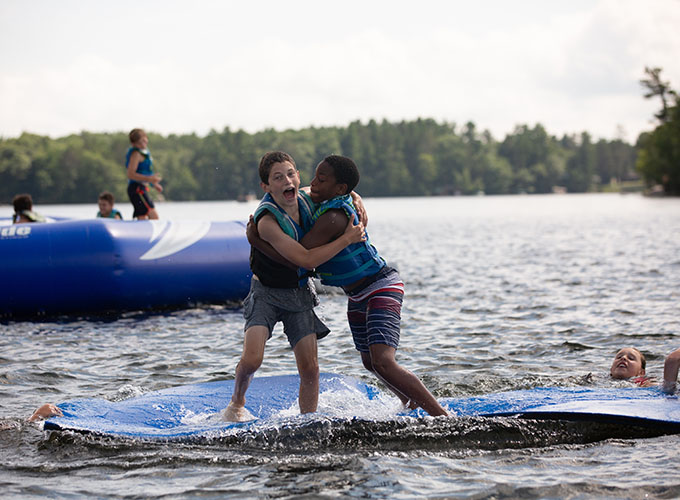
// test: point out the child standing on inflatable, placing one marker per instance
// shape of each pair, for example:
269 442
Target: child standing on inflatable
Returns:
106 210
374 289
277 292
139 167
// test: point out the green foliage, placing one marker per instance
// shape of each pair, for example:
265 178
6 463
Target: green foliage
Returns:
414 158
659 151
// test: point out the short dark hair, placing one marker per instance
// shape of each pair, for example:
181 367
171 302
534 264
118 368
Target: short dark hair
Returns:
269 159
345 170
22 202
105 195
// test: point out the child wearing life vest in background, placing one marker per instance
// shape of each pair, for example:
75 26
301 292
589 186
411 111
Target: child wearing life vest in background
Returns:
106 210
139 166
373 288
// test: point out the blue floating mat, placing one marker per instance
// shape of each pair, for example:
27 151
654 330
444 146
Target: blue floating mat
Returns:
629 406
193 410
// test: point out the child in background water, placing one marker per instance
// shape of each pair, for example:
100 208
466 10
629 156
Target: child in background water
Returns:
106 210
630 364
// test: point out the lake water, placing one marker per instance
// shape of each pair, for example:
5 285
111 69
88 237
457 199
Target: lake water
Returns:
502 293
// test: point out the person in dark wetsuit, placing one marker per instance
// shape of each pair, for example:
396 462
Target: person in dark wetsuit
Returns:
139 166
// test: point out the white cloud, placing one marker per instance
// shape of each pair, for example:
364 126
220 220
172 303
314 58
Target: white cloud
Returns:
571 67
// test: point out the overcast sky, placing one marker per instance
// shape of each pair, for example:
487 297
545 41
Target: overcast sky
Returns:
174 66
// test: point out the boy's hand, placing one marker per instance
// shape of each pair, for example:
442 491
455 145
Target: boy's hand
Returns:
156 182
361 209
251 230
354 233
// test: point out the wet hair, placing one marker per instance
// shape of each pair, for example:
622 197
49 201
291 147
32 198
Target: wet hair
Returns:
106 196
269 159
22 202
345 171
136 134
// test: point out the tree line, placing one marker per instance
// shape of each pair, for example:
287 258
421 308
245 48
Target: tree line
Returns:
659 150
409 158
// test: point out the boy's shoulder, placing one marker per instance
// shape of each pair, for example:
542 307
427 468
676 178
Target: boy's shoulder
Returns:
342 203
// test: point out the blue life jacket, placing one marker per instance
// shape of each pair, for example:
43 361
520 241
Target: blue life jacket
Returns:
144 167
354 262
269 272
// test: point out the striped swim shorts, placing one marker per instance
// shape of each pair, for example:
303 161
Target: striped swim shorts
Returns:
374 312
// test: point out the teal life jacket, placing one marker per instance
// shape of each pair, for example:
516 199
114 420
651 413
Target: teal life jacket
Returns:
112 215
269 272
144 167
355 261
305 206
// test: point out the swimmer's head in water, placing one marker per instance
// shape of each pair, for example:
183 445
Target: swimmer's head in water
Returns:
628 362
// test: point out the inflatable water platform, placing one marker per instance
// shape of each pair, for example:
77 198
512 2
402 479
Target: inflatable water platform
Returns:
194 410
100 265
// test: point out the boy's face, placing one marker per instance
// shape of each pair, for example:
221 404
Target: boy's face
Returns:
324 186
142 142
105 208
627 363
284 182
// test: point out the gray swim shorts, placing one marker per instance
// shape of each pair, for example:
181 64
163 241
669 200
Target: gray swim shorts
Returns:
294 307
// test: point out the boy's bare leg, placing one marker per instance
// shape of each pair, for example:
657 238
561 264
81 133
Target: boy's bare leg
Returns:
402 381
368 364
308 367
251 359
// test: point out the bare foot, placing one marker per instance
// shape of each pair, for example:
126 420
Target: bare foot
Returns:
45 411
233 413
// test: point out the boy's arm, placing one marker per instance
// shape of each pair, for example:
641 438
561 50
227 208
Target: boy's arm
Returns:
264 247
327 228
670 372
271 232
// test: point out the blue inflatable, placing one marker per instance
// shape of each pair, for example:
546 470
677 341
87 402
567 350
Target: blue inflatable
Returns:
99 265
193 410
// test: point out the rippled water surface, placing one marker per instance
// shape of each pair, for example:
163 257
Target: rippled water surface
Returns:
502 293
